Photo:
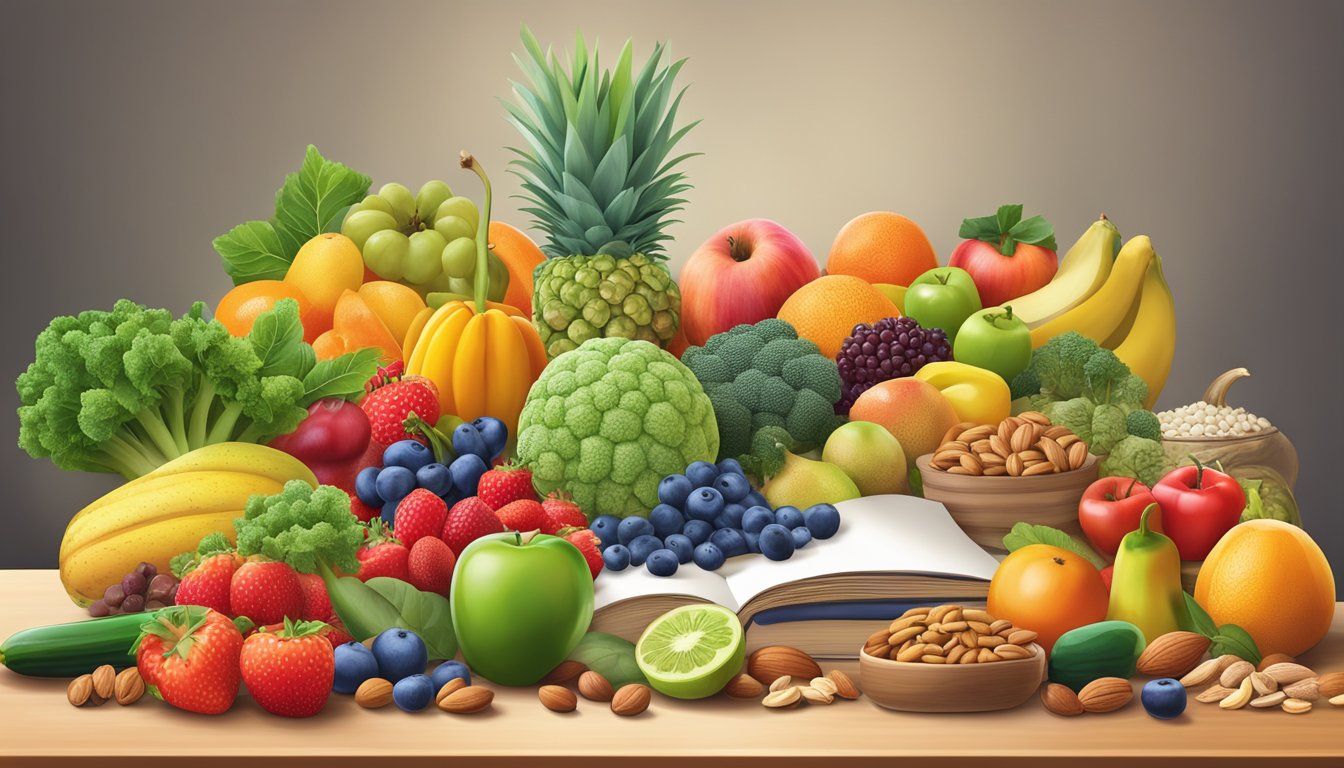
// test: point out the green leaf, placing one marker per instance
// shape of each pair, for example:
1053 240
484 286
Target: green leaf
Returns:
1024 534
1034 231
277 338
425 613
1007 217
342 377
312 200
1236 641
609 656
253 251
983 228
1008 246
1200 621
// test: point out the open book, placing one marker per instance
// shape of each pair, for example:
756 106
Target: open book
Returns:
890 554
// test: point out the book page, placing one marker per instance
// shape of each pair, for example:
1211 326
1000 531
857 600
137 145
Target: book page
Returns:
709 586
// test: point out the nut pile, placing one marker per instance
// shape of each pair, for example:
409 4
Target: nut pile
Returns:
784 693
455 697
105 683
1105 694
1277 683
950 634
1201 419
627 701
1019 446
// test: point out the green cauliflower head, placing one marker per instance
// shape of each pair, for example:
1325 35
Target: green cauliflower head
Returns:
608 420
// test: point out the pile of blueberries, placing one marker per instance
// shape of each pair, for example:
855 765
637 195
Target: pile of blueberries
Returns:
707 515
398 656
408 464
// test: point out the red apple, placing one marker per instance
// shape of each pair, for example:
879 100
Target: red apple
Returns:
1006 255
742 274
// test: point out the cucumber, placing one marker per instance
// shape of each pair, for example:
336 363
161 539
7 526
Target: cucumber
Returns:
76 648
1092 651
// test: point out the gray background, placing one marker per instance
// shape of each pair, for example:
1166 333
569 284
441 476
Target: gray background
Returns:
133 133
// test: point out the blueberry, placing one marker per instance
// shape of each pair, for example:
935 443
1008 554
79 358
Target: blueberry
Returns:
666 520
449 670
789 517
674 489
730 467
632 528
730 517
605 528
467 440
413 693
801 537
400 653
354 664
698 531
701 473
755 499
643 546
823 520
467 470
389 513
394 483
494 433
732 487
756 518
753 542
407 453
709 557
681 546
730 541
1164 698
434 478
704 504
662 562
776 542
366 486
616 557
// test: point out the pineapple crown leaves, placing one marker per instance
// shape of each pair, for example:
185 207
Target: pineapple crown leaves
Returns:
596 171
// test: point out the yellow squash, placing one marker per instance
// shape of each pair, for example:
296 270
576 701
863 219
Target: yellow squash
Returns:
976 394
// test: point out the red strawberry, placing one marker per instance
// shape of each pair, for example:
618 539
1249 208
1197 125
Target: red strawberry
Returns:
587 543
335 632
363 511
316 602
505 484
266 591
190 655
468 520
381 554
562 512
419 514
522 515
207 583
391 397
289 672
431 565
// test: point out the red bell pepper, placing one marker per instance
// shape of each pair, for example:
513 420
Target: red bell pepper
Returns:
1110 508
1199 504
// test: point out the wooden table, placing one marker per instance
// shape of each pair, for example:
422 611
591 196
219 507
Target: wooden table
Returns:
39 727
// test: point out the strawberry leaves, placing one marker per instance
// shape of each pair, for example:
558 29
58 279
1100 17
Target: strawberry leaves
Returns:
1006 228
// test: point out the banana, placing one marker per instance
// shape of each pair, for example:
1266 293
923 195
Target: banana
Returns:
1150 346
1082 272
1104 311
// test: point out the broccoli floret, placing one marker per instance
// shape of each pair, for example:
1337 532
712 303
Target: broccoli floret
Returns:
310 529
1059 364
1025 384
1075 414
1143 424
1136 457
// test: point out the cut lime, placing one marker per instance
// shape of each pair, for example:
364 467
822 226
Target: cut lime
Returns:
691 652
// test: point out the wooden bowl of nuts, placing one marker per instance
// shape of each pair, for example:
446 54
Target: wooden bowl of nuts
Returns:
981 666
1024 469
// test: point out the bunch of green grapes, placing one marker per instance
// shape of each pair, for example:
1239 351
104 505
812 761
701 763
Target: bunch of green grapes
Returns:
426 241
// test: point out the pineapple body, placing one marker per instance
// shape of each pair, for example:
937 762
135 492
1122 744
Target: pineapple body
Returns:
577 298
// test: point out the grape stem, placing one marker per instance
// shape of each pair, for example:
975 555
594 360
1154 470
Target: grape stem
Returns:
482 282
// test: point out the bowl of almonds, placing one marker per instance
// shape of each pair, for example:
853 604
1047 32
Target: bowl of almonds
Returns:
1023 469
951 659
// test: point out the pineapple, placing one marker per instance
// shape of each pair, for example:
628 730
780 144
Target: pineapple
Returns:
600 185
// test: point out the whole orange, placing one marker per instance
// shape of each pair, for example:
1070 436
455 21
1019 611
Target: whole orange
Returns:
1047 590
238 308
324 268
913 411
1271 579
881 247
826 310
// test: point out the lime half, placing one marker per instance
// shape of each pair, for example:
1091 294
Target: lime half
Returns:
691 652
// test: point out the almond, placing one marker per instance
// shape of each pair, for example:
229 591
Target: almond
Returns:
774 661
844 686
1269 700
1214 693
568 670
1272 659
80 691
1174 654
558 698
1240 697
1330 684
1022 637
595 687
374 693
780 683
1077 454
1263 683
465 701
1205 672
1061 700
449 688
631 700
104 682
1306 690
1043 468
1035 417
744 687
128 687
1106 694
1287 672
783 699
1236 672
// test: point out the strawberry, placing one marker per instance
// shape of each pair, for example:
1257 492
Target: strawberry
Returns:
335 632
562 512
381 554
316 601
190 655
587 543
431 565
363 511
522 515
504 484
467 521
419 514
289 672
266 591
392 397
207 582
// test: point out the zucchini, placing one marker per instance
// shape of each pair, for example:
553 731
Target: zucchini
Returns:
1093 651
76 648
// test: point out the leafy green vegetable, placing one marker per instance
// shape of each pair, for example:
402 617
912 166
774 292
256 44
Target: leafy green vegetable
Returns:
313 200
609 656
1024 534
1108 428
1225 639
427 614
1007 228
1136 457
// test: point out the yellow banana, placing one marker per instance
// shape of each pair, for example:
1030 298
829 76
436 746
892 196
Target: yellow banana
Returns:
1104 311
470 365
1151 344
1082 272
440 352
415 356
509 365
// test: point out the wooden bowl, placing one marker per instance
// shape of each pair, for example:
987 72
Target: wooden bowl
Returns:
916 687
987 507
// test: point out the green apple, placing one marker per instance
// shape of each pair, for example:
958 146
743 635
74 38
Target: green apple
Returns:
943 298
520 603
870 455
996 340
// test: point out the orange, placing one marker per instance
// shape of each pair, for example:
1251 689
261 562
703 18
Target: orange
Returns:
324 267
881 247
356 326
239 308
1272 580
827 309
913 411
1047 590
396 304
521 256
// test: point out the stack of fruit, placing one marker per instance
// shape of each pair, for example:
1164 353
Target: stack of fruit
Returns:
408 465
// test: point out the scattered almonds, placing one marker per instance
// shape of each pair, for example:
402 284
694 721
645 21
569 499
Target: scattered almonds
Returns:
565 672
1208 671
1263 683
595 687
1306 690
104 682
1296 706
1061 700
780 684
466 701
128 687
844 686
449 688
374 693
774 661
1330 684
1106 694
1272 659
744 686
1269 700
1287 672
784 698
557 698
1174 654
631 700
80 691
1236 672
1214 693
950 634
1019 446
1240 697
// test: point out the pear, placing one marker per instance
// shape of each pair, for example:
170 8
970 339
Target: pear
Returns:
804 482
869 455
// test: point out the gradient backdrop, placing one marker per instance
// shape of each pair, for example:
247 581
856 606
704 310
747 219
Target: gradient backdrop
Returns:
133 133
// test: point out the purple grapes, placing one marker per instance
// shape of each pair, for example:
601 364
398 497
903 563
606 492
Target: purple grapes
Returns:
890 348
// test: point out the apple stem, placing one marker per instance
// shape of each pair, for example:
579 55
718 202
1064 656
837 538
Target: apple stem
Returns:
526 537
737 249
1007 311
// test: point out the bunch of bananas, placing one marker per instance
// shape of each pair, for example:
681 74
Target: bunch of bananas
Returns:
167 511
1120 300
